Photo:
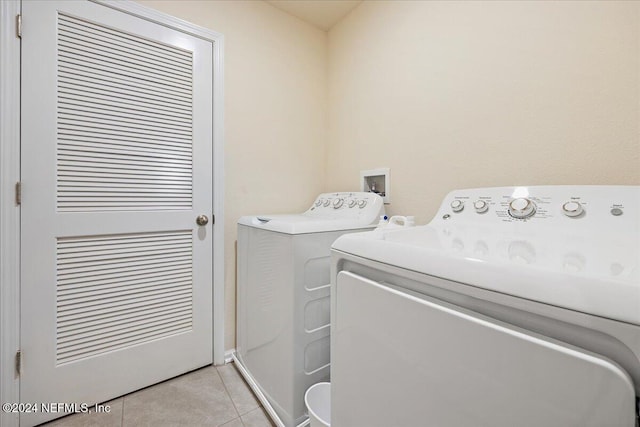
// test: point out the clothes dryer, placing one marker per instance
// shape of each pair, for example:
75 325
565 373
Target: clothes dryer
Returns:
282 345
514 306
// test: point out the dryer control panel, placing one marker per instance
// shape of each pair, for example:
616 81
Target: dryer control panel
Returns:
573 229
571 206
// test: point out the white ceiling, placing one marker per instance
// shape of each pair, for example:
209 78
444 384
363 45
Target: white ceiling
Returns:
320 13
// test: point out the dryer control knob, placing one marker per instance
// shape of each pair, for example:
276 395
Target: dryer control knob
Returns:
522 208
352 203
572 209
457 205
326 203
318 202
362 204
337 203
480 206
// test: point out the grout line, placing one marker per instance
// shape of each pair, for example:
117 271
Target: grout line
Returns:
122 416
239 419
247 387
228 394
264 412
264 402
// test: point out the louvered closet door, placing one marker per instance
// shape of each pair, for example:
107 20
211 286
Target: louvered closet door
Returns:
116 166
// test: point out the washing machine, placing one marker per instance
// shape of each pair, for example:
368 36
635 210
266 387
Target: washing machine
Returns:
514 306
282 345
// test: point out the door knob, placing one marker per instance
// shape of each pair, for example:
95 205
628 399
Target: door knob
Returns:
202 220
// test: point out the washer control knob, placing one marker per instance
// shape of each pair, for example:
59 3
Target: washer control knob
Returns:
480 206
318 202
457 205
337 203
352 203
521 208
616 211
572 209
362 203
326 203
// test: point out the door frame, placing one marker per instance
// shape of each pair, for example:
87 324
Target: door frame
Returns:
9 210
10 175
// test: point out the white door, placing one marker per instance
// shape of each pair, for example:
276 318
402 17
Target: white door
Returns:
116 166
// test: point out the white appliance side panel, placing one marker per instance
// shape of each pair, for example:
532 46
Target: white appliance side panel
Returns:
403 360
265 313
283 314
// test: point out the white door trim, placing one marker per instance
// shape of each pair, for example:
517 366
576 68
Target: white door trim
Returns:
10 174
9 210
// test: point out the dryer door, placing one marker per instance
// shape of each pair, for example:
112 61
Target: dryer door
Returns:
403 359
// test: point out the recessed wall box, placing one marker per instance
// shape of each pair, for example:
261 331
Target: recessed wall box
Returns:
377 181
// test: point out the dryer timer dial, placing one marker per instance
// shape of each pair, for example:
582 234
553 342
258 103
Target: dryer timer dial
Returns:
480 206
457 205
522 208
572 209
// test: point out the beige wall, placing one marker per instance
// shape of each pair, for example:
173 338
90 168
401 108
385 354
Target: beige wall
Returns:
275 105
470 94
448 95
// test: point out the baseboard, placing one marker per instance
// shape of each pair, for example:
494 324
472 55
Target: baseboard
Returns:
228 355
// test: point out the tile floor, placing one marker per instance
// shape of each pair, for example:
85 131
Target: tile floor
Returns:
211 396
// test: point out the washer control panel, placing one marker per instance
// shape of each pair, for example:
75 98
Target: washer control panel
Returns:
563 205
346 205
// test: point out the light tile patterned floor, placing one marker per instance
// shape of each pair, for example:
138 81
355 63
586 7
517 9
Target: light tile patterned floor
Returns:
211 396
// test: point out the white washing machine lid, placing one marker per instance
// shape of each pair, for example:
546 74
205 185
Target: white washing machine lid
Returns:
301 224
329 212
598 280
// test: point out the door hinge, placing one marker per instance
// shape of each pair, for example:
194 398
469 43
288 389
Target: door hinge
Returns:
19 26
18 193
18 361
